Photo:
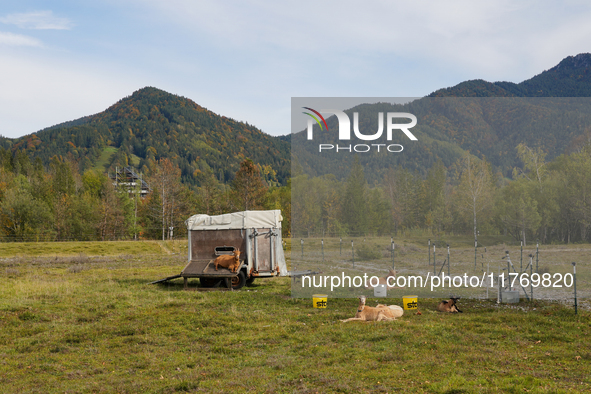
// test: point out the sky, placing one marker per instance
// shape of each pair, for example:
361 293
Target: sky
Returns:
65 59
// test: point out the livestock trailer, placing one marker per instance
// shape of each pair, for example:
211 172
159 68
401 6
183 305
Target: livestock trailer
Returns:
256 234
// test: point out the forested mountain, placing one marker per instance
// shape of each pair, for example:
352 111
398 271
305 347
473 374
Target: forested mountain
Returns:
152 124
489 120
570 78
491 158
448 128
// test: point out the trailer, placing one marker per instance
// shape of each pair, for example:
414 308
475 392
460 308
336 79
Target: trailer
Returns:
256 234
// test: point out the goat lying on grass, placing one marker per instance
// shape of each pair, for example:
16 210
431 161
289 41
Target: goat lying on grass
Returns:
379 313
449 306
230 262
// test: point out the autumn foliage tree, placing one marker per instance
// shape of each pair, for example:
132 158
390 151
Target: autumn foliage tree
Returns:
248 188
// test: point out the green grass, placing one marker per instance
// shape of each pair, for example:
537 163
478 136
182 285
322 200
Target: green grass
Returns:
91 248
105 158
94 325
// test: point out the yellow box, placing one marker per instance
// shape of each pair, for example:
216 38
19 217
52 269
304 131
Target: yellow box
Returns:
319 301
410 302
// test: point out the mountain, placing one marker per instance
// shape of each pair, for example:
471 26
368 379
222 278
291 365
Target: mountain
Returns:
570 78
152 124
484 118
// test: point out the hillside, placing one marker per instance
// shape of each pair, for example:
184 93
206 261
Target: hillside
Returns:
152 124
449 127
569 78
483 118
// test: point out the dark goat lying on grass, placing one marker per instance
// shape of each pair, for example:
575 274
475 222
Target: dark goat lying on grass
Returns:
449 306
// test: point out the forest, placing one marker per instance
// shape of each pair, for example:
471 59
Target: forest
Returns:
58 202
503 161
549 201
150 125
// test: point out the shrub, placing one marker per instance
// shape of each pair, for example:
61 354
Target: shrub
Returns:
367 252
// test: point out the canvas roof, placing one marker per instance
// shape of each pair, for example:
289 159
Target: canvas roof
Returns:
236 220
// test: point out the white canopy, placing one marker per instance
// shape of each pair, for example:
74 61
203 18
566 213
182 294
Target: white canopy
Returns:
236 220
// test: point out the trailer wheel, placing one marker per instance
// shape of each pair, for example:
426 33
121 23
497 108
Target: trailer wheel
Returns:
209 282
239 281
250 280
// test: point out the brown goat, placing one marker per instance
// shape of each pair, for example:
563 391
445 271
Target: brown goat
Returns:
230 262
379 313
449 306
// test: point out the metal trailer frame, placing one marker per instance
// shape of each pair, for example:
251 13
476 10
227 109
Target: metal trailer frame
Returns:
259 247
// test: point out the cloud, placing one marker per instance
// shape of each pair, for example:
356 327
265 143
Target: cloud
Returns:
18 40
37 20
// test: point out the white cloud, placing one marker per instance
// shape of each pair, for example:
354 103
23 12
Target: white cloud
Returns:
18 40
37 20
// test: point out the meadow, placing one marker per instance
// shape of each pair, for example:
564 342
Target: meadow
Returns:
82 318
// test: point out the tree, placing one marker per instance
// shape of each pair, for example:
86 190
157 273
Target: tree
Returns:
209 193
280 198
518 210
535 171
354 206
435 196
112 224
173 205
476 189
23 215
248 188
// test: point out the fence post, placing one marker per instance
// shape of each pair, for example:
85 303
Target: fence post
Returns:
537 254
448 260
575 283
521 259
302 242
434 267
352 254
392 252
475 251
531 271
322 250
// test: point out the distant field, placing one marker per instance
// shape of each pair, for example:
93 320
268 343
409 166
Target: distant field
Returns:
103 160
82 324
93 248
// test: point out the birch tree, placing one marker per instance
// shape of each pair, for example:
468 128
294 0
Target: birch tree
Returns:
476 189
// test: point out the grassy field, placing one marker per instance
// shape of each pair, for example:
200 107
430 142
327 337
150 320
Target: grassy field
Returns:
83 322
75 248
105 158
